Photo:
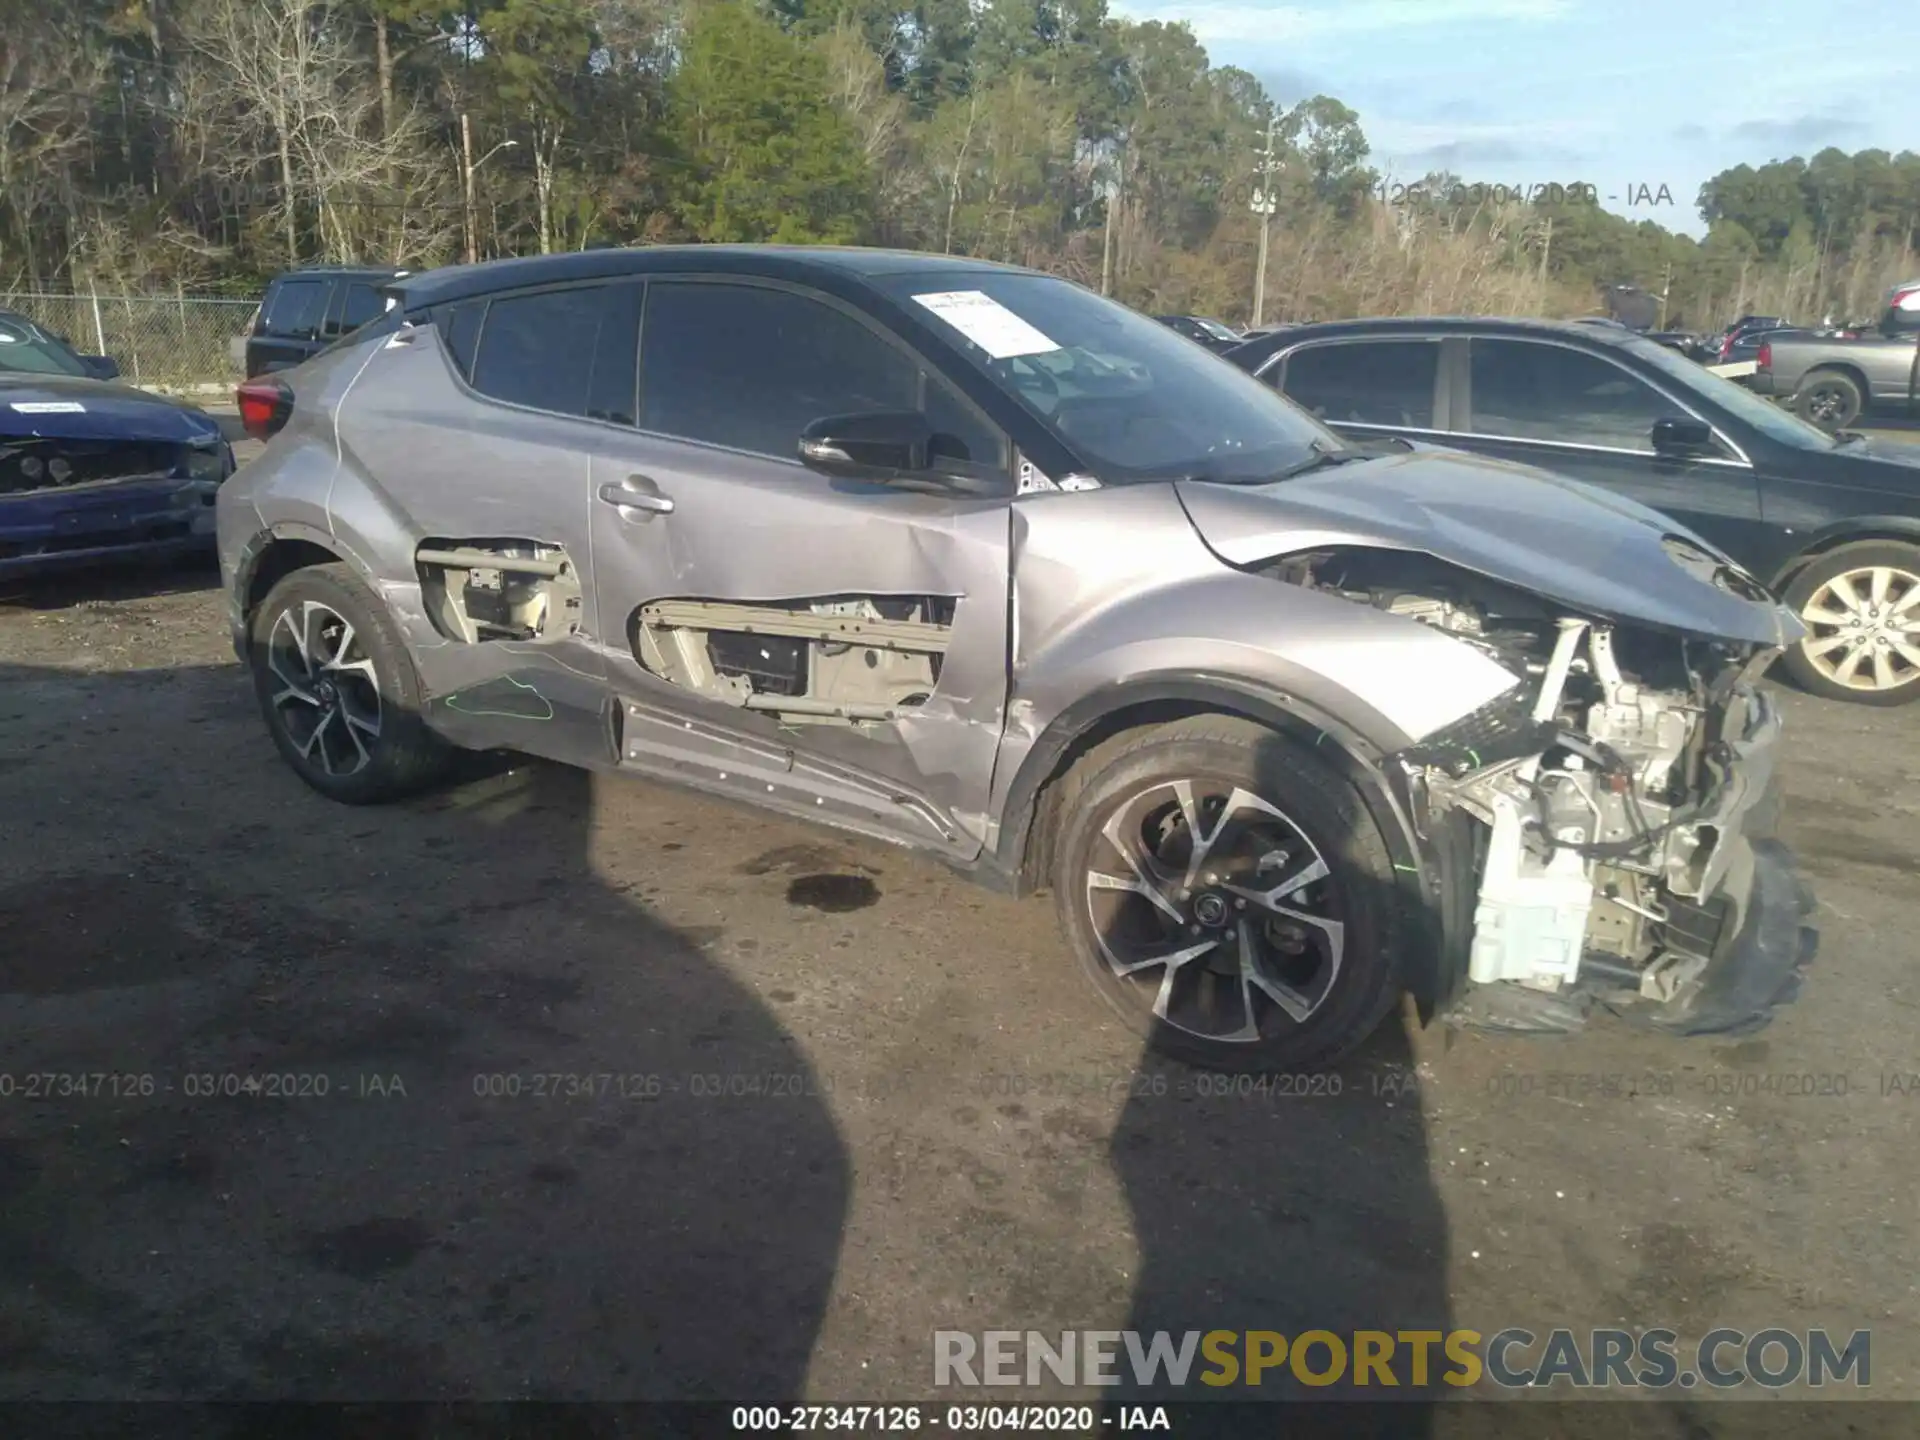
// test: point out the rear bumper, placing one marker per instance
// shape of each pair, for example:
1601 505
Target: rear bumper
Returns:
142 519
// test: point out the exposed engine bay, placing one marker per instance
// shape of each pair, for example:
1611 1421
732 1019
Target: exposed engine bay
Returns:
1610 790
838 660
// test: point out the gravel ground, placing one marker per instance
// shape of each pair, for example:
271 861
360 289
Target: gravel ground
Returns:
935 1127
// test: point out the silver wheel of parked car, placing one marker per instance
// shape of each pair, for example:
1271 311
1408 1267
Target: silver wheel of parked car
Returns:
338 689
1861 607
328 698
1229 896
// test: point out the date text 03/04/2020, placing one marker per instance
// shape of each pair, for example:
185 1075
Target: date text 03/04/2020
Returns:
1545 192
960 1419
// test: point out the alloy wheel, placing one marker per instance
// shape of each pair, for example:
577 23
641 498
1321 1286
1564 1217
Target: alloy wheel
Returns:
1826 405
328 696
1216 910
1864 628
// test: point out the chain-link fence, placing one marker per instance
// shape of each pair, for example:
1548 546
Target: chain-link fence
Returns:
180 342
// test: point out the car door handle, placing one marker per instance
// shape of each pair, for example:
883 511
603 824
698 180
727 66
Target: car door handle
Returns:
627 496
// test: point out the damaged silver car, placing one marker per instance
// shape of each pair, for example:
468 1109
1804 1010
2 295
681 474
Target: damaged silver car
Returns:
971 560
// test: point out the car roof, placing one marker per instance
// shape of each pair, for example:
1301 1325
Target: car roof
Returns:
1456 325
819 264
333 272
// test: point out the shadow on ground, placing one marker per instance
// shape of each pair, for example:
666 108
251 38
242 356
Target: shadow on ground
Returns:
1291 1203
395 1104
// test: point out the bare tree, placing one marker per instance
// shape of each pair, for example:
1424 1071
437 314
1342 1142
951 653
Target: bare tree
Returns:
294 102
47 73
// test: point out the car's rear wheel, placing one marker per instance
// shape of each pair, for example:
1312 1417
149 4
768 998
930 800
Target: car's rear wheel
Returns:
1229 896
1829 399
1861 607
339 692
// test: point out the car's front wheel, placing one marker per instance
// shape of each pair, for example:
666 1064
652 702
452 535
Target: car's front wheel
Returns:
1861 606
1229 896
339 691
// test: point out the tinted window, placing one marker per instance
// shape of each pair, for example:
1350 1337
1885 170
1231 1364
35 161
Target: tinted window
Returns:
1549 392
751 367
459 327
1378 382
363 305
610 392
295 307
537 350
24 348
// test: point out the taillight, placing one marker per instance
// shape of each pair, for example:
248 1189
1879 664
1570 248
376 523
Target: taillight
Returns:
264 407
1765 358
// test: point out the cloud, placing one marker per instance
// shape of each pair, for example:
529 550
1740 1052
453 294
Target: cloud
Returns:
1689 134
1461 155
1290 87
1808 132
1420 146
1247 22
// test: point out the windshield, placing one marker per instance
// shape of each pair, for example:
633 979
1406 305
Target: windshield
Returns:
1781 426
1134 399
27 349
1218 330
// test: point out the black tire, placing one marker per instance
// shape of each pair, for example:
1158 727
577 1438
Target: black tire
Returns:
1830 399
1812 664
1217 753
404 756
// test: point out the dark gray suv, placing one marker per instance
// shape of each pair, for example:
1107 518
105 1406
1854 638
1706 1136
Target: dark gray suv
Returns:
968 559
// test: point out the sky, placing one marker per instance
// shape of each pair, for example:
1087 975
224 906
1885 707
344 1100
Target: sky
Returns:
1644 100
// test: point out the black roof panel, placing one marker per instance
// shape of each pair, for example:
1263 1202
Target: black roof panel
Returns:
821 264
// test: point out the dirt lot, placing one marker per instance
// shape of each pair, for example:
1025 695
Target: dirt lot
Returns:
851 1100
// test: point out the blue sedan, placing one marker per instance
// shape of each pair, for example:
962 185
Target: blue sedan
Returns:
92 470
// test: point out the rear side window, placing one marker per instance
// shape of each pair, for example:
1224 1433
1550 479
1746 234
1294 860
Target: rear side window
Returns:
459 327
1376 382
537 350
616 359
294 308
362 306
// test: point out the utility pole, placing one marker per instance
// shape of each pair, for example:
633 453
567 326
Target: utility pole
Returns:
1106 241
1264 203
466 169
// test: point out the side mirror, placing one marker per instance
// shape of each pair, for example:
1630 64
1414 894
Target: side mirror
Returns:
1678 438
878 445
101 367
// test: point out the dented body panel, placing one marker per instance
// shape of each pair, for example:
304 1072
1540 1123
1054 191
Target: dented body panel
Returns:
1564 678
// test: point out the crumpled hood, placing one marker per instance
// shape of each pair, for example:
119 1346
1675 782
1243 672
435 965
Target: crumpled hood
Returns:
1583 547
63 407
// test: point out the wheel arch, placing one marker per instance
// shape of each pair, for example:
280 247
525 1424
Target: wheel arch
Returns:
1862 530
1837 367
1023 853
277 552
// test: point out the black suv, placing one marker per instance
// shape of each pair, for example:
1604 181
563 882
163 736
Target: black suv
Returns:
305 311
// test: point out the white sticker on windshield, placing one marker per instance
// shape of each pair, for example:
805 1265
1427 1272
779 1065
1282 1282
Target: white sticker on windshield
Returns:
988 323
49 407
